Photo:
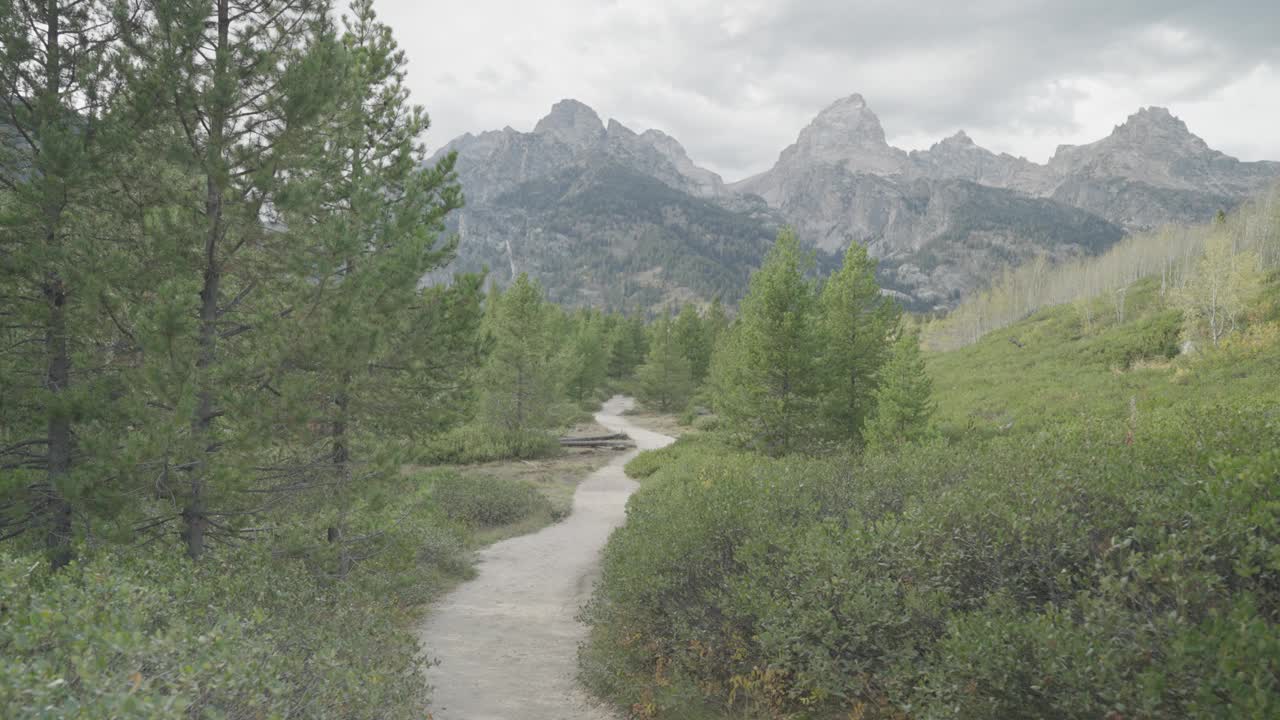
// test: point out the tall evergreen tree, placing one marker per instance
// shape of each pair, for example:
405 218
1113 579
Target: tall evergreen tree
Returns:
717 321
765 378
904 397
586 362
519 380
234 93
694 341
373 212
55 84
665 380
628 346
857 323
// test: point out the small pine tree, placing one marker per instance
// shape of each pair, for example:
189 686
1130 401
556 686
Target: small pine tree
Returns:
765 380
666 378
586 361
857 323
519 380
694 342
904 398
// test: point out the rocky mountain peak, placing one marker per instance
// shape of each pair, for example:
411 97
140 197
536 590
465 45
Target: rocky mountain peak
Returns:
846 133
572 123
961 138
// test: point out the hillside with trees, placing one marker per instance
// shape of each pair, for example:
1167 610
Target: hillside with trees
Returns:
1074 516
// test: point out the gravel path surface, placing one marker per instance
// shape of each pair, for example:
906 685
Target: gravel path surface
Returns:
507 641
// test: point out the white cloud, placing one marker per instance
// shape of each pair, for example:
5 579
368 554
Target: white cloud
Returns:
735 81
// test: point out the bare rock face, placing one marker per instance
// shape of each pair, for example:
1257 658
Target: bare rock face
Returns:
846 135
573 124
572 135
1152 170
601 211
960 158
841 182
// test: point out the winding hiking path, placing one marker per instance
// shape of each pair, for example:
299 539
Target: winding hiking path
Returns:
507 641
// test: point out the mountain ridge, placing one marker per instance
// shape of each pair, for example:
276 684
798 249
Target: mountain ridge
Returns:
940 221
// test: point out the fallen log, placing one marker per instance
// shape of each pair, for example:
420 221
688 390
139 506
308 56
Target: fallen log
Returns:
617 441
614 436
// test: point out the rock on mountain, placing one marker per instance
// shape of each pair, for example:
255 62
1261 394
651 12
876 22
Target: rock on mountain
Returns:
605 215
1152 170
943 219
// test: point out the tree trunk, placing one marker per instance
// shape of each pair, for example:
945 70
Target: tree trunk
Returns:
341 465
58 358
58 380
195 515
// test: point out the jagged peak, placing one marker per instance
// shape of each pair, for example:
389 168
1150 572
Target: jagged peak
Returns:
1153 118
571 121
617 128
847 122
854 102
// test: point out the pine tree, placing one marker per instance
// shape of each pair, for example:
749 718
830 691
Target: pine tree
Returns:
765 380
373 213
586 362
665 380
519 380
55 88
717 321
628 346
857 325
904 398
694 341
233 94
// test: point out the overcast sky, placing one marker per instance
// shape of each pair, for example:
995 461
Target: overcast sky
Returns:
736 80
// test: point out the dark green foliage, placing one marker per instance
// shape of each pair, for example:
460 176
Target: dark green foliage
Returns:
146 634
520 380
695 341
1157 337
218 351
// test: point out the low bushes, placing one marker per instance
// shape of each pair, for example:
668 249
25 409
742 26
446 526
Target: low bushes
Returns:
1088 573
259 630
485 502
477 444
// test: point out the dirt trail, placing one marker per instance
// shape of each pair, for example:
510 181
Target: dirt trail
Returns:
507 641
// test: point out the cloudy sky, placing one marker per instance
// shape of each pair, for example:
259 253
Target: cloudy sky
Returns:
735 80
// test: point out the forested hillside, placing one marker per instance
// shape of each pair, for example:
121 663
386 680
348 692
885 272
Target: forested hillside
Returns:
1076 516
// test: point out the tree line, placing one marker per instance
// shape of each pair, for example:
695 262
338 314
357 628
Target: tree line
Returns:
1190 262
215 219
808 364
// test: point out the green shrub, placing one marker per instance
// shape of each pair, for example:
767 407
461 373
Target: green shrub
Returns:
1069 574
237 636
475 444
485 502
706 423
1157 337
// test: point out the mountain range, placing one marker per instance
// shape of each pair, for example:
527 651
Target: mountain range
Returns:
610 217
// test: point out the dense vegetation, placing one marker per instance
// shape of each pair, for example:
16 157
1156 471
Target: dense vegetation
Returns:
218 358
1088 527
